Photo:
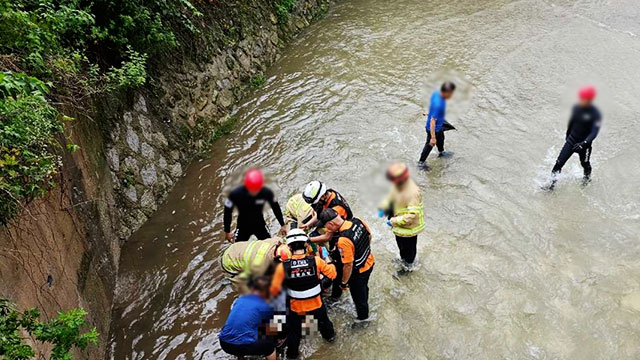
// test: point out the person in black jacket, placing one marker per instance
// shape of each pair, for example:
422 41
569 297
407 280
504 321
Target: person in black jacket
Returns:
583 128
250 199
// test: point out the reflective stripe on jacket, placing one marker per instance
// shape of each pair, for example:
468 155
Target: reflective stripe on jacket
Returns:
297 210
408 209
249 258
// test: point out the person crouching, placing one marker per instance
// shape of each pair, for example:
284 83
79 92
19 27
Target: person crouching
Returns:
301 276
241 335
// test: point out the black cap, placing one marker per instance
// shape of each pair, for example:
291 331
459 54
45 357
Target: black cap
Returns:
326 216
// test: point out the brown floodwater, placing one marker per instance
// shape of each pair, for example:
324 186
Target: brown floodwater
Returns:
506 271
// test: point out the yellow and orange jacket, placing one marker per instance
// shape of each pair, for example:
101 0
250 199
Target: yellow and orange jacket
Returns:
408 209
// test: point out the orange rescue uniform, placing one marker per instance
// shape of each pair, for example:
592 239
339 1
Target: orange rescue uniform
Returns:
302 306
347 248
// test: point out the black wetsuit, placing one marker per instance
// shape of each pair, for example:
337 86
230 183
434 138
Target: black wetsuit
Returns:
250 216
583 128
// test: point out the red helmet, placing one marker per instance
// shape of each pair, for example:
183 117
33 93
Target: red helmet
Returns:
397 173
253 180
587 93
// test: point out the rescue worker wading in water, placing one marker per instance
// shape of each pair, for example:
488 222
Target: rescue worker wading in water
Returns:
321 198
405 211
301 277
248 260
250 199
354 247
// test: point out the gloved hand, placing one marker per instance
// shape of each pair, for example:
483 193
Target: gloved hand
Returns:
344 286
389 224
380 213
580 146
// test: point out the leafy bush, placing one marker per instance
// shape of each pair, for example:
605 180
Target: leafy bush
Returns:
28 159
63 332
73 48
111 38
283 9
257 81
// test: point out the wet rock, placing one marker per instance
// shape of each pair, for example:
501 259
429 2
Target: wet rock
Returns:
226 98
203 102
133 140
113 159
162 162
145 125
175 170
140 105
131 165
147 151
160 139
149 175
115 133
131 193
175 155
127 118
244 61
124 232
148 201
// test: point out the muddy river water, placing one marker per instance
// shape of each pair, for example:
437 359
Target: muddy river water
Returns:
506 271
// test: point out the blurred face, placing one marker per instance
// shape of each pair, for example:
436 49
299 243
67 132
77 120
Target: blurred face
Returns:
447 95
584 102
333 225
254 193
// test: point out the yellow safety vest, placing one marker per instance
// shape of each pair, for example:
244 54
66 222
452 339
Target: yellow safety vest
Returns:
408 232
242 265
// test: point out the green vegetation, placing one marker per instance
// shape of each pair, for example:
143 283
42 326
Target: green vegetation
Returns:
29 124
257 81
283 9
59 51
62 332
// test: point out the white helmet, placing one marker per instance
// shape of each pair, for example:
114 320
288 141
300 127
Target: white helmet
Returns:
296 235
314 191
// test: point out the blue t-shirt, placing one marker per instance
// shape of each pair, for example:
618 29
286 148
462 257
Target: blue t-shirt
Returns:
248 313
437 108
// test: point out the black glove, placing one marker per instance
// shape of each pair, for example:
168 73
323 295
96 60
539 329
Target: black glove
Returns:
580 146
344 286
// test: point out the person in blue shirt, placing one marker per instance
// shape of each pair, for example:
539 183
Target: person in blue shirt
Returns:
435 122
242 334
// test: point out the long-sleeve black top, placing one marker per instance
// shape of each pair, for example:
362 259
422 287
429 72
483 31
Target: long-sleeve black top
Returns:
250 208
584 124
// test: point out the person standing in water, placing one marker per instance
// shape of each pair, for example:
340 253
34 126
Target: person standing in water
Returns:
404 210
250 199
583 128
436 121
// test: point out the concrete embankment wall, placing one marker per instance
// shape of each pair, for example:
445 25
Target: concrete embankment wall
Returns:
134 148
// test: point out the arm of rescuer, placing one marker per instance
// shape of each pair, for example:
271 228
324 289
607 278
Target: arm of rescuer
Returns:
595 128
408 217
328 270
570 124
347 252
385 206
328 234
275 206
276 281
228 215
432 130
